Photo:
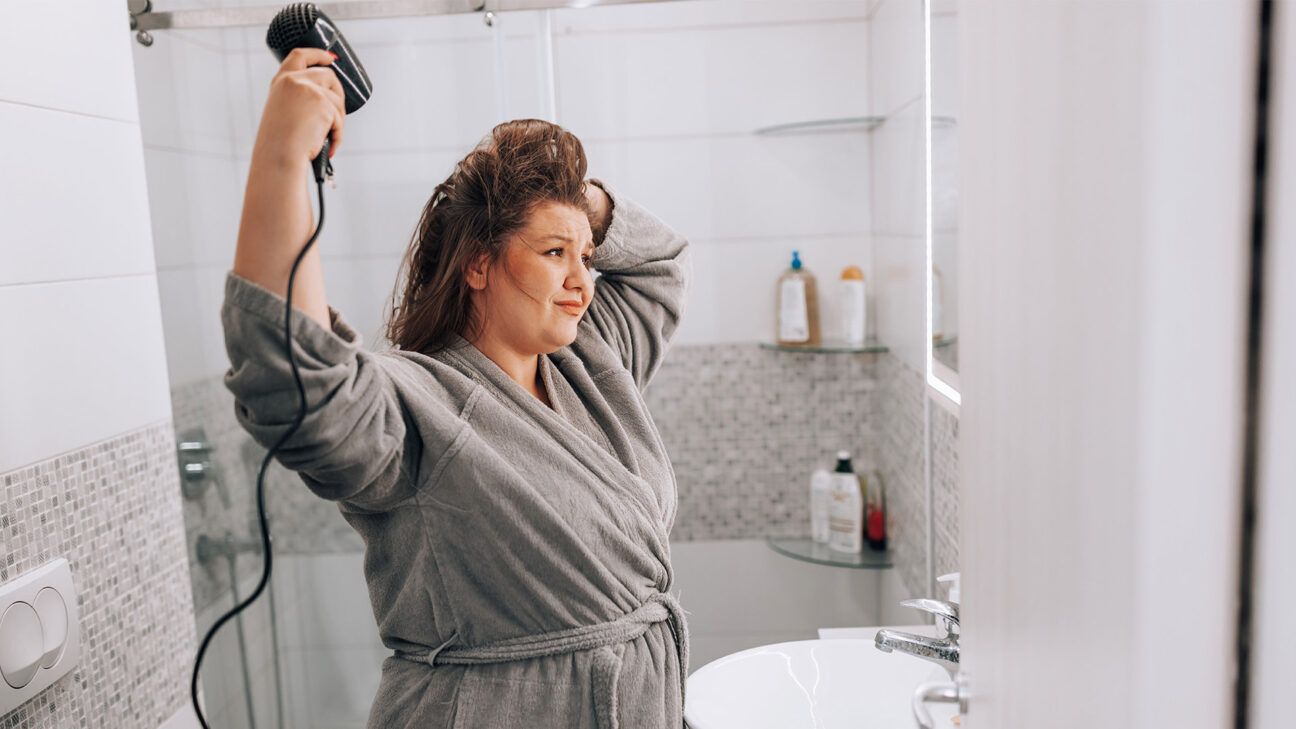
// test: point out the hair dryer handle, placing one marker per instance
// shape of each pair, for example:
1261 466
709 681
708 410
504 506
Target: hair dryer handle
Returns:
322 165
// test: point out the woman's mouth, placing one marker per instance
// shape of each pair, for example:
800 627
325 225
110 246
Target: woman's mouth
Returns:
574 309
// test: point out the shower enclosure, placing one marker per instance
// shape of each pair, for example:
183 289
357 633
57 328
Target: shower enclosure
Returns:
744 124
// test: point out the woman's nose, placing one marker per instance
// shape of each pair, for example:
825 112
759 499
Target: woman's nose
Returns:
580 277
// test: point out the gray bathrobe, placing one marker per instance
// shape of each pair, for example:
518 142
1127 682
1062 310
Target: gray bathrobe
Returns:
516 555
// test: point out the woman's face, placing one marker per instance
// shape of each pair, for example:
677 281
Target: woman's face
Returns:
534 296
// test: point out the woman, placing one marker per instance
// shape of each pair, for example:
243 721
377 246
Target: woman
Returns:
511 489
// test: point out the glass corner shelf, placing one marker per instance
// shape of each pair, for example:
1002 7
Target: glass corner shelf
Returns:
870 345
847 124
808 550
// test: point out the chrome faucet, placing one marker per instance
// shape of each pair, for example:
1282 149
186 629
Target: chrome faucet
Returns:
943 651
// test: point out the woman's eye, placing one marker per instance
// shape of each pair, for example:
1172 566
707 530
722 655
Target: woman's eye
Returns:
585 258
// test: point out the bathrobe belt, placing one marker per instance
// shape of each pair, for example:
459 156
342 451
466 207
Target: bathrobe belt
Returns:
602 636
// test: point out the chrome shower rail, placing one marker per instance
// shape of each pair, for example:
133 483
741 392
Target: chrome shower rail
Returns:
358 9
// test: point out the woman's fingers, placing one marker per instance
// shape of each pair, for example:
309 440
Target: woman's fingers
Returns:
306 103
332 88
301 58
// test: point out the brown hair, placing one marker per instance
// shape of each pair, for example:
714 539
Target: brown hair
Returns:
478 208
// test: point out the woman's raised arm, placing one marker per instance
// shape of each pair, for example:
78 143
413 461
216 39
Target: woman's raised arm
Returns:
304 106
354 443
644 268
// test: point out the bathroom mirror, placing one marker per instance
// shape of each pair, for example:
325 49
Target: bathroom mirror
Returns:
942 204
753 127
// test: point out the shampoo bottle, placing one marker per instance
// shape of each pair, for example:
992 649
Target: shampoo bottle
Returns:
846 510
820 496
851 302
798 306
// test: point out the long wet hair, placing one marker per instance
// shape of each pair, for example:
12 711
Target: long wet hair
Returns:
476 210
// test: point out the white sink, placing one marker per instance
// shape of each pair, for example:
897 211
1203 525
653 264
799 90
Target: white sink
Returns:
836 683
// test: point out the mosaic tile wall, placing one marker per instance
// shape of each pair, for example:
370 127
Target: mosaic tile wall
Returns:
899 414
746 426
945 497
112 509
899 417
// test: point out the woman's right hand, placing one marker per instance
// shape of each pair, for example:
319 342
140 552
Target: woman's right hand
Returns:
306 104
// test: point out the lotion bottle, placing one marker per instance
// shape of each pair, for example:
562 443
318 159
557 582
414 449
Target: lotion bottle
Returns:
846 509
798 307
820 496
851 302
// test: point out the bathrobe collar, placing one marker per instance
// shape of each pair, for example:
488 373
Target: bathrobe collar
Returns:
605 460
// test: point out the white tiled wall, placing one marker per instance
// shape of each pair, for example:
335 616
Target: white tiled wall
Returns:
78 299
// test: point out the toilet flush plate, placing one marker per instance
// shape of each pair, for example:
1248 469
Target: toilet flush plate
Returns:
40 634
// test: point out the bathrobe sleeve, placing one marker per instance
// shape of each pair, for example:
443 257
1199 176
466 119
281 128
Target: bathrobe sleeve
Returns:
644 268
355 443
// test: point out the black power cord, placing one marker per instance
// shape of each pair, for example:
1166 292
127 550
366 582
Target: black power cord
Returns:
321 170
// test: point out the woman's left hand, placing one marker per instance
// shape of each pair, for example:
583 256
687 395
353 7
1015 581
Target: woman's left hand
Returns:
600 210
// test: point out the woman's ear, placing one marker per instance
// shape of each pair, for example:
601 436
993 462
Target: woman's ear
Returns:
477 270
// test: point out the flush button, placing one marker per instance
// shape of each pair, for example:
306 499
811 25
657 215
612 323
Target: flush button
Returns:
21 644
54 624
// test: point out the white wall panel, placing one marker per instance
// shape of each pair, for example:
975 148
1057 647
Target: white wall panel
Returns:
746 186
181 85
896 51
195 203
899 290
711 80
899 179
86 362
91 77
72 197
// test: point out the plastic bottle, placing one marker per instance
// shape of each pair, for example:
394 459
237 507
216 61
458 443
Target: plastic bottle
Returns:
798 306
875 532
852 304
820 496
846 510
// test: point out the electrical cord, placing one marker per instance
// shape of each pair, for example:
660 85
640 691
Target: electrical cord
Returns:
321 171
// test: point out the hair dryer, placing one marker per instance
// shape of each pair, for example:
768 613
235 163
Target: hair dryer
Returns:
302 25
